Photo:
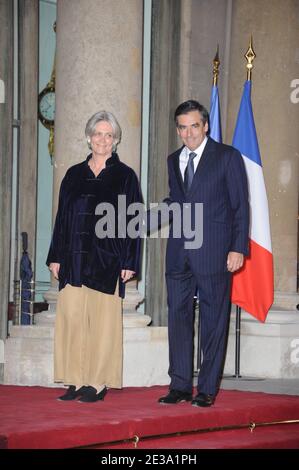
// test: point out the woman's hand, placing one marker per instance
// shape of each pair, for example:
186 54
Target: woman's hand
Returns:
126 274
54 268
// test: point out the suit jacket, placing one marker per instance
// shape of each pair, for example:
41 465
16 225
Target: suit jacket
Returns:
84 258
220 183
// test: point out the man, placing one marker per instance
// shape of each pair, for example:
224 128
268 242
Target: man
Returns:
203 171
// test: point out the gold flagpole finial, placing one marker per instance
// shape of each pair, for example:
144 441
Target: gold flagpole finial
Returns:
216 63
249 56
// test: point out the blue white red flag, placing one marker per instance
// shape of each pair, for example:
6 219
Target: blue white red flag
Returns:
253 287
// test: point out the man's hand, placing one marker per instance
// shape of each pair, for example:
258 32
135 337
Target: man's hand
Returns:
234 261
126 274
54 268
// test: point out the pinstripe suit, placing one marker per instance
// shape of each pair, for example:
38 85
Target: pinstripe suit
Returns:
219 183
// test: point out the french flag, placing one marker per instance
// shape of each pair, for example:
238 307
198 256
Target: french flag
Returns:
215 120
252 286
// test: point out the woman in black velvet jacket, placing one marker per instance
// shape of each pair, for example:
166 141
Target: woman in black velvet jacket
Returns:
92 261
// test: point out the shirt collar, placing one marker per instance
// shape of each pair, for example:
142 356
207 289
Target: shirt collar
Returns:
109 162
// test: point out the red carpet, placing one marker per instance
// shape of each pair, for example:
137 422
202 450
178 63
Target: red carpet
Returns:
273 437
31 418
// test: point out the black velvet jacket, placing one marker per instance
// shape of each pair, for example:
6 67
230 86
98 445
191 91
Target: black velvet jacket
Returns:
84 258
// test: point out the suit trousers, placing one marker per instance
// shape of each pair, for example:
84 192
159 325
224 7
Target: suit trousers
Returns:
214 300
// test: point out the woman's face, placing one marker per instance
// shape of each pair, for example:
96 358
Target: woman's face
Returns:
101 141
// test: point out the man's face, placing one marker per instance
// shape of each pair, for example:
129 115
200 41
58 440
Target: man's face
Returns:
191 129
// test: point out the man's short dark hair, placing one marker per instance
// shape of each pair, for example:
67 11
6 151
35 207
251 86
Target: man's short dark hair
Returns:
191 105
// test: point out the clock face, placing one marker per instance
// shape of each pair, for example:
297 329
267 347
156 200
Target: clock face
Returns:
47 107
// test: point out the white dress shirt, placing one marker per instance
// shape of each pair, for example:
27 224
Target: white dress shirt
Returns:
184 157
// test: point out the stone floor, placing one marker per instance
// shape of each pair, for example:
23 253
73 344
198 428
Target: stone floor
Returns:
280 386
255 384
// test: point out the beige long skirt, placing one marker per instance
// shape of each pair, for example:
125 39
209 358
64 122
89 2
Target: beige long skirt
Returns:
88 338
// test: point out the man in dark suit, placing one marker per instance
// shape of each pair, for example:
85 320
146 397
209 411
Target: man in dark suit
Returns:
203 171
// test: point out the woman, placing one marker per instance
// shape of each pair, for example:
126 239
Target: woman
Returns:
92 267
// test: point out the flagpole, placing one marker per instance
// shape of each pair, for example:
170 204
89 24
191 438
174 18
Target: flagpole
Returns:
237 343
216 63
249 56
215 119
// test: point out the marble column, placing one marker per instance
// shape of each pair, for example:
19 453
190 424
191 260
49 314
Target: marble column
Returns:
98 66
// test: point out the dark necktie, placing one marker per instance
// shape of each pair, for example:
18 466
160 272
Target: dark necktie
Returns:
189 172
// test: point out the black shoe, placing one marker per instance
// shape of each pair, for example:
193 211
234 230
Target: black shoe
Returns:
202 399
72 393
90 395
175 396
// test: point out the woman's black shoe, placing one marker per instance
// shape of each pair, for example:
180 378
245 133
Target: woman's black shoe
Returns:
90 395
72 393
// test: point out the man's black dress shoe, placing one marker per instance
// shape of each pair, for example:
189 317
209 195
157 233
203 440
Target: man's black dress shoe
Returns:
72 393
90 395
175 396
202 399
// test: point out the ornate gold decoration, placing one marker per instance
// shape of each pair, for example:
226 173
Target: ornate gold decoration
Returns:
135 441
48 93
249 56
216 63
51 142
